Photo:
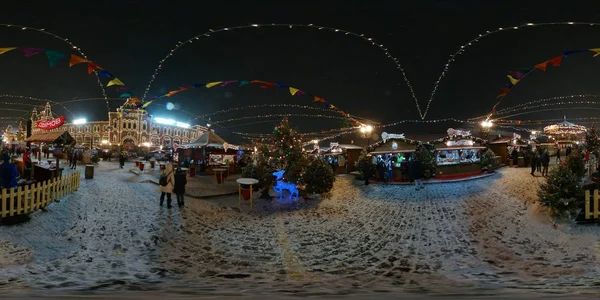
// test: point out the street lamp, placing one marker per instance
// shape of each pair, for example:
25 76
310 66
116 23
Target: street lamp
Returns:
366 132
485 128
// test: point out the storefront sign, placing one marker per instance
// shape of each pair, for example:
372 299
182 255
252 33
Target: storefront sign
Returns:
230 146
516 136
331 145
452 131
394 146
388 136
459 143
51 124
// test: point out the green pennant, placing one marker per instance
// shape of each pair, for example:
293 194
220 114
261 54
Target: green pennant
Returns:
54 57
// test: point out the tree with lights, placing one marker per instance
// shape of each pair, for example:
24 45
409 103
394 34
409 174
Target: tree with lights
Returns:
286 152
592 140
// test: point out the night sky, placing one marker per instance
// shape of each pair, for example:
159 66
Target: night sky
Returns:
129 38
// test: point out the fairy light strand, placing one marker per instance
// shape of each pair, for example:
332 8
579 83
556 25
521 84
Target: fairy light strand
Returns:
278 116
66 40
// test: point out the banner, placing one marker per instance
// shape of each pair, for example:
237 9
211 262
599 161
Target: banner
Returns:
51 124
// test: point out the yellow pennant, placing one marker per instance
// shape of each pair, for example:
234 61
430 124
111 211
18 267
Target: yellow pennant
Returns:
211 84
146 104
293 90
512 79
115 81
597 50
4 50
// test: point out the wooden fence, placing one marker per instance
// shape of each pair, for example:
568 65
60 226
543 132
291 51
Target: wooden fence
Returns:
592 211
35 196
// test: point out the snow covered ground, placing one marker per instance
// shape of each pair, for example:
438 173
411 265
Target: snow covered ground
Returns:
475 237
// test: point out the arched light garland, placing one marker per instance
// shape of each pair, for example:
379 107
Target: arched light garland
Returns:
550 105
279 115
76 48
525 122
527 104
330 29
552 109
35 99
425 122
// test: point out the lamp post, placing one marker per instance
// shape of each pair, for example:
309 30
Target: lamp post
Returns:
486 126
366 132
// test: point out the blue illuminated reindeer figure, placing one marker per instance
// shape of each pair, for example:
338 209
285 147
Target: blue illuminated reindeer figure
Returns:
280 186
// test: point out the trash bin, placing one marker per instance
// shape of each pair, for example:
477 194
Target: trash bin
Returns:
89 172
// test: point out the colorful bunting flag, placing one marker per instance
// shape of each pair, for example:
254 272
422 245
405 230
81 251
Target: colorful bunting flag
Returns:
105 74
31 51
318 100
512 80
243 83
54 57
146 104
301 93
76 60
122 88
555 61
92 67
267 85
569 52
596 51
225 83
4 50
293 90
542 66
518 75
198 85
115 81
525 70
211 84
171 93
126 95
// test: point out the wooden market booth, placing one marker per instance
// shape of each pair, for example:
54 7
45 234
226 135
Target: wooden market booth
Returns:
342 156
458 155
50 168
207 152
395 145
504 146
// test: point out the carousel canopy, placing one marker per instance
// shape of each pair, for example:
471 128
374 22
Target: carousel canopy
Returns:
565 127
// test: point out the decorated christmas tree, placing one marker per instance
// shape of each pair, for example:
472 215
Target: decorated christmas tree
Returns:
286 152
592 140
318 176
561 192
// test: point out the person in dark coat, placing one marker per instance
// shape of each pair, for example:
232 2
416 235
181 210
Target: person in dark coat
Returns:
533 164
515 157
179 187
416 171
558 155
366 169
121 160
545 163
538 160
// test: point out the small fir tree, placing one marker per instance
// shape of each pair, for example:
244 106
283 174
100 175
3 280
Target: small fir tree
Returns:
561 192
425 156
576 164
488 157
592 140
318 176
286 152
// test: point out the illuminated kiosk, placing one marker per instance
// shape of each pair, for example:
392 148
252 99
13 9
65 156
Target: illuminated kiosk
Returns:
336 151
504 146
400 149
209 150
566 133
458 155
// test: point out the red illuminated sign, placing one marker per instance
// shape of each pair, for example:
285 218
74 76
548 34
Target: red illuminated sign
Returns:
51 124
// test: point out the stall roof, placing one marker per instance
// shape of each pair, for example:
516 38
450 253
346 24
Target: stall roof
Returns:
49 137
501 140
208 139
459 148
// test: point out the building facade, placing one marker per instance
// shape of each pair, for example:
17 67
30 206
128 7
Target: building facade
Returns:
132 129
11 135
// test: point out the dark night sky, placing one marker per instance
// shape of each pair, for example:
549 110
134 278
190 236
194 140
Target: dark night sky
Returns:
128 38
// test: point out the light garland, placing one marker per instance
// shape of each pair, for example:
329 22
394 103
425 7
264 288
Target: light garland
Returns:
553 109
76 48
551 104
278 116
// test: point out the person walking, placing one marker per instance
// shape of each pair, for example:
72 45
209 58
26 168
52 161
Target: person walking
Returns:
179 187
366 169
417 173
538 160
8 174
74 160
167 181
545 162
121 160
558 155
533 164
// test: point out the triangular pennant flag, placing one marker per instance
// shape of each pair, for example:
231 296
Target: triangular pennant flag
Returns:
501 95
282 85
596 50
267 85
198 85
171 93
301 93
518 75
512 80
133 100
31 51
76 60
126 95
54 57
569 52
4 50
146 104
505 90
293 90
225 83
331 106
243 83
542 66
211 84
318 99
105 74
92 67
509 85
555 61
122 88
115 81
186 87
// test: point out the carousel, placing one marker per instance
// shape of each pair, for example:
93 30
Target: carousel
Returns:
566 134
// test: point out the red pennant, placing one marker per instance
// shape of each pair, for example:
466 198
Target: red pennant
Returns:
92 67
541 66
555 62
318 100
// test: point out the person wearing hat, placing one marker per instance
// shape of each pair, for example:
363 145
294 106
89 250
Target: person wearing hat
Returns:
8 173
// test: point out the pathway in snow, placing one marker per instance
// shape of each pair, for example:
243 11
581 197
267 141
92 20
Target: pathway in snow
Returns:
466 237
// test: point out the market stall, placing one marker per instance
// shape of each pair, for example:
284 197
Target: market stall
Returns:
342 157
458 155
397 148
47 169
207 152
503 147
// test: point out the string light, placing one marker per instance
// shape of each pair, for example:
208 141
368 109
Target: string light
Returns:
552 104
34 99
75 48
552 109
312 26
278 116
488 33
